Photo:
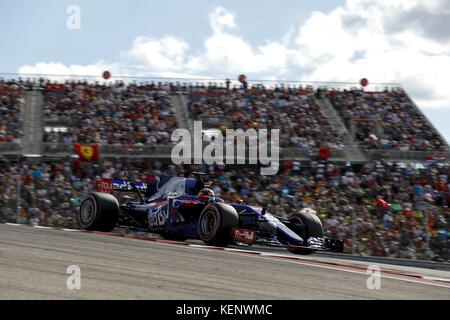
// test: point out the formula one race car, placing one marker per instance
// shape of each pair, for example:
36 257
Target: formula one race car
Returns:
182 208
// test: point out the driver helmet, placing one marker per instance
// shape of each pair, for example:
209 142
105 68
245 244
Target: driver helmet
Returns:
206 192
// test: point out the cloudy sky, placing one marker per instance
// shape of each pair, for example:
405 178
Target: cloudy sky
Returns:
385 41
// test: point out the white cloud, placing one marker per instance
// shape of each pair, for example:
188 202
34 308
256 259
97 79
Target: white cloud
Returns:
61 72
221 19
165 54
59 68
386 41
405 55
225 53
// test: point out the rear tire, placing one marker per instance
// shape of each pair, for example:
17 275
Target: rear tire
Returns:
216 223
99 212
312 228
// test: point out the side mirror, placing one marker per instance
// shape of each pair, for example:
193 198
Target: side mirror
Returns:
239 201
263 211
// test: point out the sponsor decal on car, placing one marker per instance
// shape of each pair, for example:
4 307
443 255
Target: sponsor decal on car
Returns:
105 185
157 218
243 235
311 241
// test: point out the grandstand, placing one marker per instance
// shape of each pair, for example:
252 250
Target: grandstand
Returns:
137 119
380 145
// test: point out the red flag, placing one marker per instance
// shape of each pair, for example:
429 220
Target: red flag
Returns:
87 152
381 202
324 153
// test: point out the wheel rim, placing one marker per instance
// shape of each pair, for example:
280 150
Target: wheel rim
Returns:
87 211
208 224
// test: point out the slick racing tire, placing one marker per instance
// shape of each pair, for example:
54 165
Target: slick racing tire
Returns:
216 223
305 224
99 212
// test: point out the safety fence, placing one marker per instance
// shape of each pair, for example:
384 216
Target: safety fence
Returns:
182 83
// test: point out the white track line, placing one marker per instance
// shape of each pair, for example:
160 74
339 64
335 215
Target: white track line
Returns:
436 279
382 274
275 257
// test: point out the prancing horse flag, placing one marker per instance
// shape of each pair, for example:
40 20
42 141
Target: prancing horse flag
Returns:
87 152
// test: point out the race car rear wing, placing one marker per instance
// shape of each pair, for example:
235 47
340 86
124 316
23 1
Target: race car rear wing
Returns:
110 185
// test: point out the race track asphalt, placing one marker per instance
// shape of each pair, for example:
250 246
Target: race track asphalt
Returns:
33 265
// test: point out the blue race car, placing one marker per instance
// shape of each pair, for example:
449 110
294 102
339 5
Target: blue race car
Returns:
182 208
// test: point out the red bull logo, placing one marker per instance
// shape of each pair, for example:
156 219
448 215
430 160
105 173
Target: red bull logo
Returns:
243 235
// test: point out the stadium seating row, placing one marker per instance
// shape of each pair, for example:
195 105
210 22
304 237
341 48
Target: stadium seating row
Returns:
133 115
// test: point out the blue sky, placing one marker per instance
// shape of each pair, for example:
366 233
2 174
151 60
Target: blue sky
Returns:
37 30
391 41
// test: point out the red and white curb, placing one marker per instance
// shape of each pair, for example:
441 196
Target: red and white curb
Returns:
347 267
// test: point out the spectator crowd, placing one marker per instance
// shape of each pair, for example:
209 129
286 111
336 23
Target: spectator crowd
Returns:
12 102
386 120
294 111
414 225
130 115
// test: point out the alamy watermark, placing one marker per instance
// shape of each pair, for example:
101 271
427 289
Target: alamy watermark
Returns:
374 280
214 152
74 280
74 20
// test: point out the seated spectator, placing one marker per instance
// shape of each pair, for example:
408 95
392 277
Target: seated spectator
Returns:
293 111
125 115
386 120
12 101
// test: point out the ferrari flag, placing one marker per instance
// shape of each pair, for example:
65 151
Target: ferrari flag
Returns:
87 152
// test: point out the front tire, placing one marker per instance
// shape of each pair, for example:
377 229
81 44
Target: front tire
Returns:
99 212
306 225
216 223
